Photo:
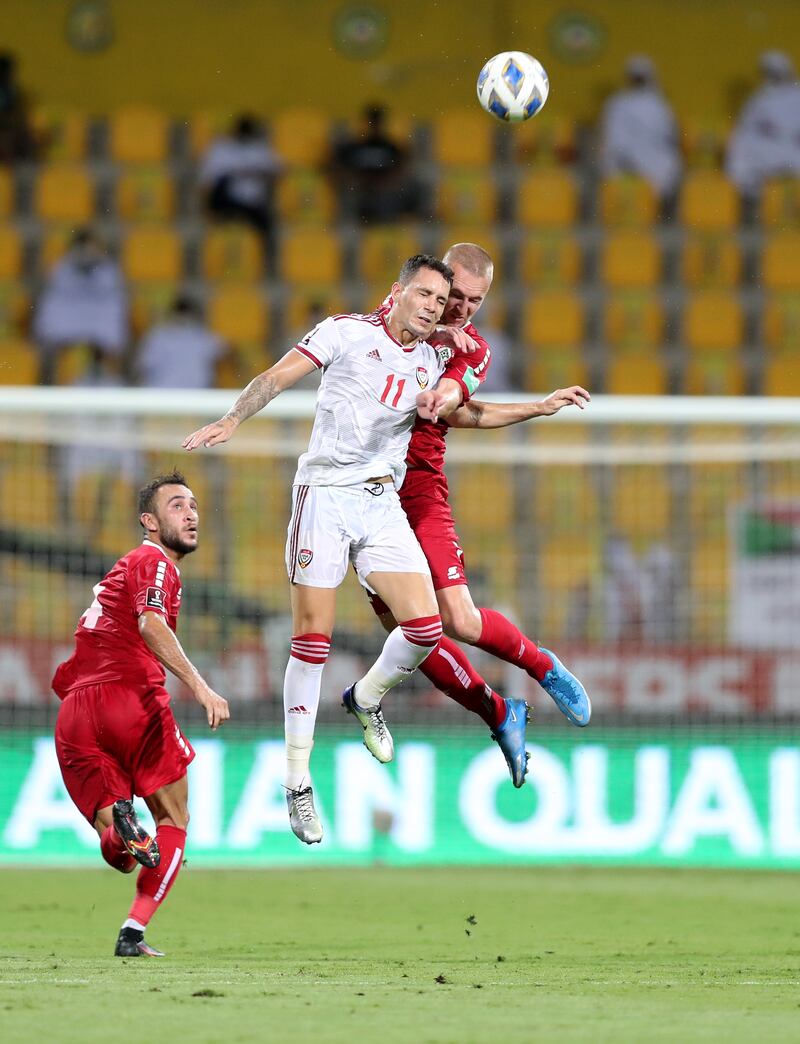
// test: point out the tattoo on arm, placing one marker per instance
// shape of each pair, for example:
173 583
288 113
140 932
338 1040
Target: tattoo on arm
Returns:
255 397
474 412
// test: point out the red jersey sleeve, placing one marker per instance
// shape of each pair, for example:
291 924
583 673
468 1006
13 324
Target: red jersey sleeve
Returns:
154 585
469 371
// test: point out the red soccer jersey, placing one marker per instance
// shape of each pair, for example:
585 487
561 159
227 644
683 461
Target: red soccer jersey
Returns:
108 646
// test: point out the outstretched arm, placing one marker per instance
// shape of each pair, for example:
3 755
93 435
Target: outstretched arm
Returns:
476 414
261 390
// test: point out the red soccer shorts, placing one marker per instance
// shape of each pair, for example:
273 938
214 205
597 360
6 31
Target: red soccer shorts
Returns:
116 740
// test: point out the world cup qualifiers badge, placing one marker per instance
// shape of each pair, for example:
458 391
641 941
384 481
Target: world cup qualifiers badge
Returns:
304 556
422 377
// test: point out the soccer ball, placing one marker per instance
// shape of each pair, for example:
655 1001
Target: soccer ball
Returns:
513 86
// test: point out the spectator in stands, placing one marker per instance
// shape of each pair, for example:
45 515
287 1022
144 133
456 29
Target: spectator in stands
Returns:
83 302
639 134
372 173
766 141
180 351
16 137
238 173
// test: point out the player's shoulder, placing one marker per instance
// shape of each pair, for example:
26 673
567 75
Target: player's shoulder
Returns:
355 327
148 553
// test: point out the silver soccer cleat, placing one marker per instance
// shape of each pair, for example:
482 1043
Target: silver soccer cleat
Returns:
303 817
377 738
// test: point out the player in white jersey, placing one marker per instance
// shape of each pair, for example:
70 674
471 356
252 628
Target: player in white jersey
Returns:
379 374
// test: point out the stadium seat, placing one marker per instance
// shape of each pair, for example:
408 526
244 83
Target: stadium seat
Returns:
145 194
479 485
711 259
634 319
138 134
550 258
549 368
564 499
483 235
780 203
781 374
233 252
15 310
466 196
709 579
149 304
547 198
544 140
780 262
714 487
641 502
238 313
152 254
28 498
19 362
714 372
62 134
71 364
311 255
462 138
781 322
708 202
302 137
704 142
568 569
53 244
308 305
6 193
627 200
204 126
64 193
630 258
11 251
383 249
553 318
636 373
713 319
304 196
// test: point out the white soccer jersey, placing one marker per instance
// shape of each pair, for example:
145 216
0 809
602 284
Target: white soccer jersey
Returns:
366 405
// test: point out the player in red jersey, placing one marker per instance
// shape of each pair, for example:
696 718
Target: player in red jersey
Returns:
115 734
424 498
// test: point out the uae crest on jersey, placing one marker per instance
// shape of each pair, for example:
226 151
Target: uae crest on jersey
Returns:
304 556
422 377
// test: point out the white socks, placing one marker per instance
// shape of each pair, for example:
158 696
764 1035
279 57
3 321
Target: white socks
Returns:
301 688
403 651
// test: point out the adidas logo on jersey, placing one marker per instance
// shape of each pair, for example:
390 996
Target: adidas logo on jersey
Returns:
374 354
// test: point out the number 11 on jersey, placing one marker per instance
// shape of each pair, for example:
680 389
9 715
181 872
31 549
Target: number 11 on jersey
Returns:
388 388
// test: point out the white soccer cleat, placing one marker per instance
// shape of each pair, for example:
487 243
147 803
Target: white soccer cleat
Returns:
377 738
303 817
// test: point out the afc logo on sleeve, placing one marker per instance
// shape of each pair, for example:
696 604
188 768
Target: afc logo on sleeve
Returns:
154 599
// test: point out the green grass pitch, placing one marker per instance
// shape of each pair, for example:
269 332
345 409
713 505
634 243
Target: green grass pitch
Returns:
439 955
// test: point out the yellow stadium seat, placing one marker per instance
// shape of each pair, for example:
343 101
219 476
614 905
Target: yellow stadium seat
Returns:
565 499
714 373
568 568
139 134
28 498
547 198
308 305
204 126
782 374
53 245
630 259
10 253
780 203
641 502
627 200
780 262
704 142
240 364
6 193
781 321
636 373
233 251
634 319
64 193
711 260
484 235
302 137
708 201
553 318
713 489
15 310
19 362
311 256
62 134
713 319
545 140
145 194
550 257
153 254
483 484
383 249
466 196
549 368
238 314
149 304
462 138
709 579
305 196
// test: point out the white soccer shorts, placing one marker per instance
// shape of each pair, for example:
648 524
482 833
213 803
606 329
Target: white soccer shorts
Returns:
332 526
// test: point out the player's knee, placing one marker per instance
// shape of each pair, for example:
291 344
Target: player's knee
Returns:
424 630
461 625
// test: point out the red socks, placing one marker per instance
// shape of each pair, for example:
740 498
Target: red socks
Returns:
452 673
502 639
114 851
153 884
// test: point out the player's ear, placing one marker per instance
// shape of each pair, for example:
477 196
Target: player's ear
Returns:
397 288
148 522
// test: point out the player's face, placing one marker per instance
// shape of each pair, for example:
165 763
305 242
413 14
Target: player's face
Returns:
466 296
177 518
419 304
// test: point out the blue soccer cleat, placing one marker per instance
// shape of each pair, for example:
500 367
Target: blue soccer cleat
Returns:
566 691
510 737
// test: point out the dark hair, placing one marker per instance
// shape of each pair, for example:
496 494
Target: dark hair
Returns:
147 494
418 261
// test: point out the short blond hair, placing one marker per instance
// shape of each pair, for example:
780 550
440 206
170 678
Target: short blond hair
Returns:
472 257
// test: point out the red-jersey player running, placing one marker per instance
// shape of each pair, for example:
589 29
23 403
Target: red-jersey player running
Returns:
116 736
424 498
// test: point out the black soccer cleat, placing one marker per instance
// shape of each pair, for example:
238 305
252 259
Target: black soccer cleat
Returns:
131 944
141 846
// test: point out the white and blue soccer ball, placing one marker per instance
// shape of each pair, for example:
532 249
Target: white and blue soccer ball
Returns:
513 86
